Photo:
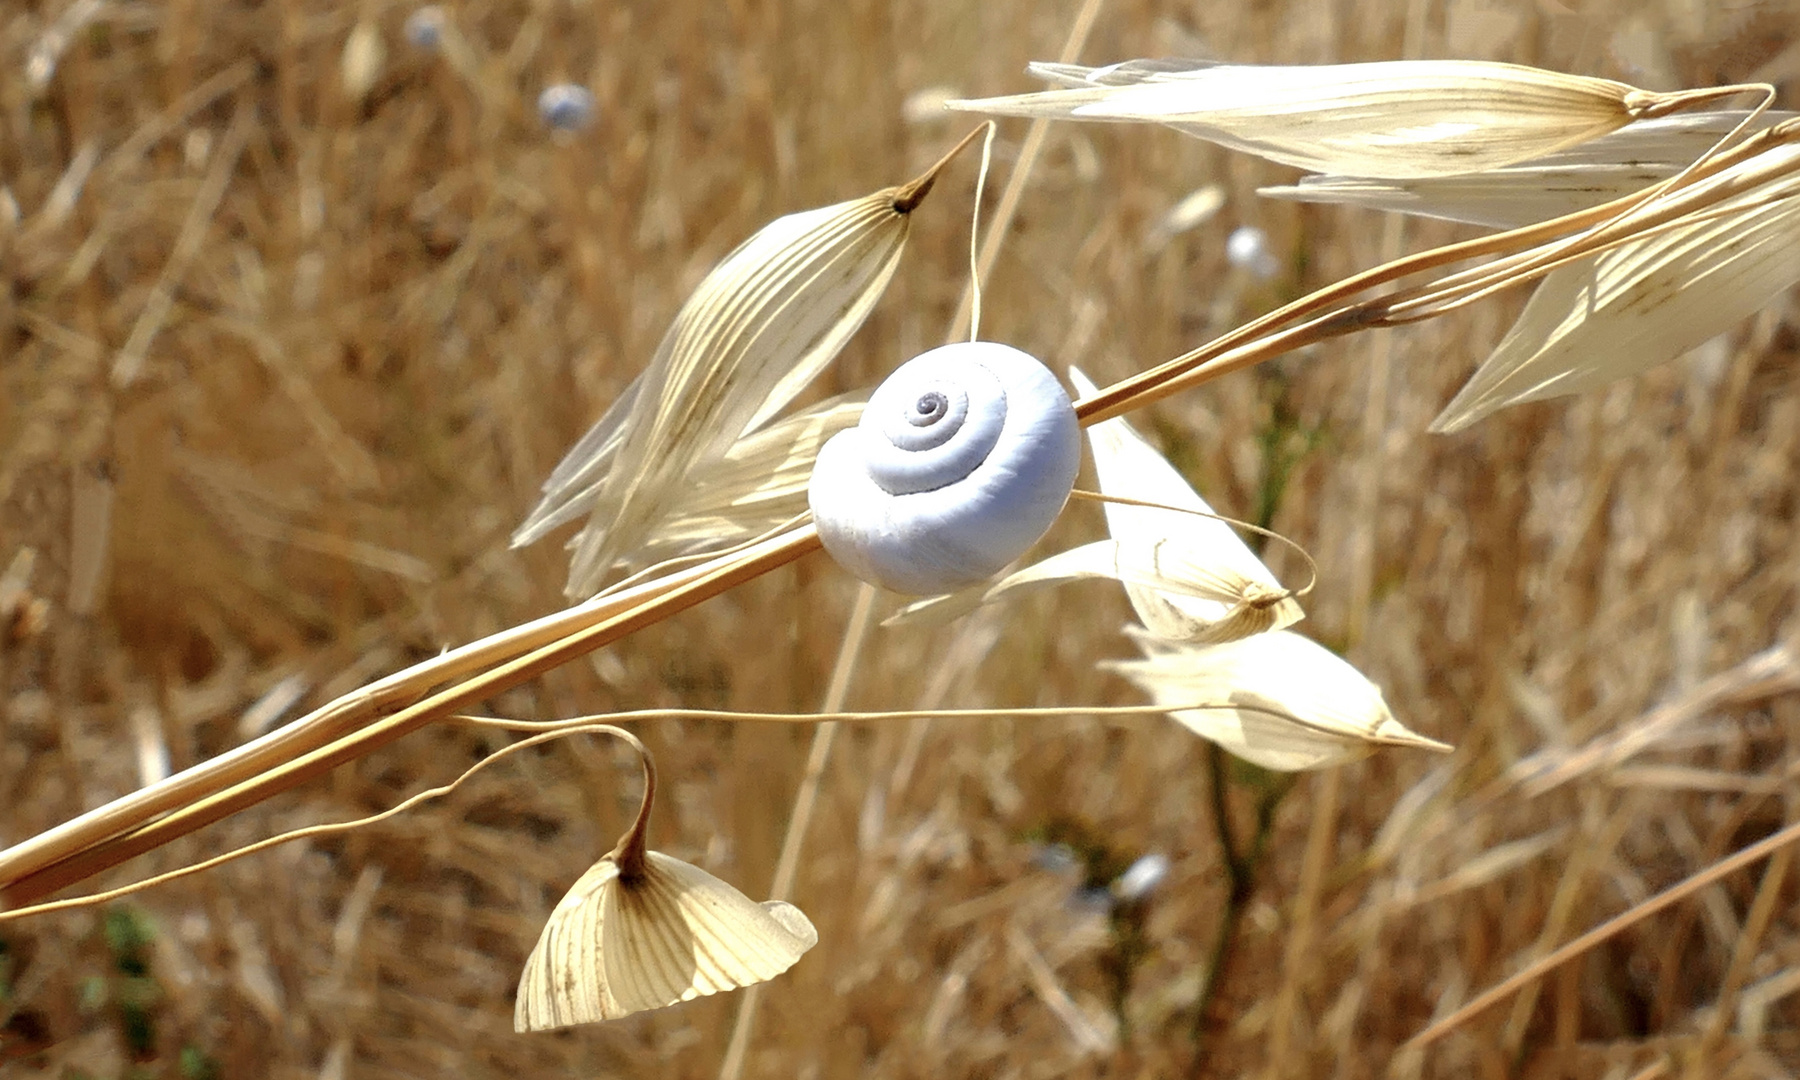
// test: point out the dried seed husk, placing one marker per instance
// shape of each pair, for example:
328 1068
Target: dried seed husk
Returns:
1186 552
758 328
760 483
1649 300
575 483
1168 573
620 944
1390 119
1277 700
1581 177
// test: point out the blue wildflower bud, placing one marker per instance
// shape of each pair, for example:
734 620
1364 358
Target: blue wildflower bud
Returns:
566 107
425 28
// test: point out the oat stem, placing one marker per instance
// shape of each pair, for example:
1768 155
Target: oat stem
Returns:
1240 885
28 872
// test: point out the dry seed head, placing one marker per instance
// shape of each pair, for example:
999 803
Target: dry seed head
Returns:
1193 210
361 63
1584 176
641 930
1276 699
760 483
760 327
1649 300
1391 119
1167 548
619 944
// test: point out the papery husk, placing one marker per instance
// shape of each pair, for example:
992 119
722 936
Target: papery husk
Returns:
758 328
1174 554
1579 178
1276 700
618 945
1168 573
760 484
1390 119
1649 300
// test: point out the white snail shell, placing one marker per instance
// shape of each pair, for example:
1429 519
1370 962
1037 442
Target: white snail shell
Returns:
961 461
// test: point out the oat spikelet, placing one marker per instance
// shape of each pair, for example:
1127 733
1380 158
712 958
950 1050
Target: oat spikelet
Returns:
760 483
1651 299
1390 119
1584 176
615 946
642 930
755 332
1165 546
1277 700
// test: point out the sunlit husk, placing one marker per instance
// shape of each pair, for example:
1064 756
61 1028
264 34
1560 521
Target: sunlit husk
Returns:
1626 310
1391 119
760 484
760 327
614 947
1581 177
1277 700
1169 575
1502 199
1172 558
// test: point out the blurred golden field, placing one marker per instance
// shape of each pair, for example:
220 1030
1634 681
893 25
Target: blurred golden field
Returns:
299 315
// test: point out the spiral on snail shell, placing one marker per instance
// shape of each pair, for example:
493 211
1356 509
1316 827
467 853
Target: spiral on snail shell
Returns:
961 461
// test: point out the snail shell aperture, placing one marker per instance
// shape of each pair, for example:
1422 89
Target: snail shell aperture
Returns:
961 461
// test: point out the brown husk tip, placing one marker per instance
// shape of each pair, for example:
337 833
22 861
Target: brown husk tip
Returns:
632 850
909 195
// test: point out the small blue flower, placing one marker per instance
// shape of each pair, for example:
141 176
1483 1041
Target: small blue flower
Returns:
425 28
566 107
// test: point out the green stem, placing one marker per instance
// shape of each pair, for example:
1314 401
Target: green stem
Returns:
1240 881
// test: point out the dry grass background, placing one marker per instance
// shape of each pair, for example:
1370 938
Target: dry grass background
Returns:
369 324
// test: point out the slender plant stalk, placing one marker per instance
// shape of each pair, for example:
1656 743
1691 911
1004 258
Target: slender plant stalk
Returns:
320 727
1029 152
541 731
1756 923
1241 868
967 321
1612 927
705 581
